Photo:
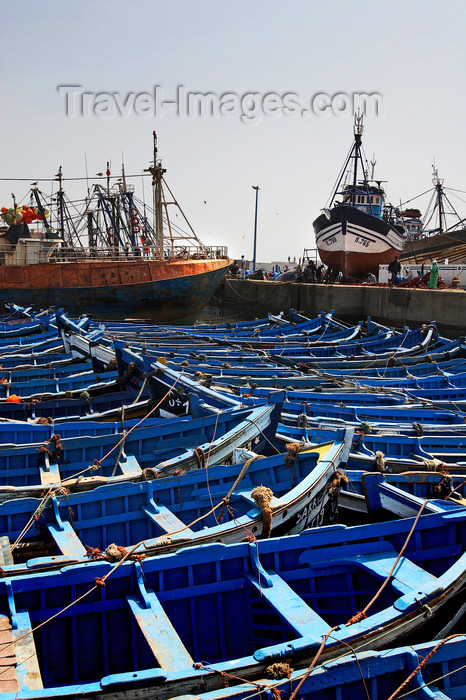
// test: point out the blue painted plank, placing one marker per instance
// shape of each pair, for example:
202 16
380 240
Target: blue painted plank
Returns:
66 538
27 664
290 606
159 632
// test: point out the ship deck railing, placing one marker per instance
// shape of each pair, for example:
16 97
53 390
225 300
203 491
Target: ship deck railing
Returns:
62 254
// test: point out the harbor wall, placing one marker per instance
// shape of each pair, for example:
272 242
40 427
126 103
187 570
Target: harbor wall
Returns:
249 299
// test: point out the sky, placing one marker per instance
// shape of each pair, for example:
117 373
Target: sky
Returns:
288 56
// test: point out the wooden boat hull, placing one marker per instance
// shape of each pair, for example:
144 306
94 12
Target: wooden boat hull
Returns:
150 628
355 242
442 676
24 470
165 291
403 495
171 513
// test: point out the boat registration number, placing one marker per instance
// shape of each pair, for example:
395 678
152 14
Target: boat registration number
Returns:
362 241
331 241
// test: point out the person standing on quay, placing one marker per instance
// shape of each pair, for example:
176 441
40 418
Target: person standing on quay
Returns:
394 268
433 278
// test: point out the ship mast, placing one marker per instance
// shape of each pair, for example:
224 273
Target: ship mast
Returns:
355 155
358 129
157 176
438 184
60 203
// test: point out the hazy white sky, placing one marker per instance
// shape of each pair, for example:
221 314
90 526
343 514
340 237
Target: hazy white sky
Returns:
411 53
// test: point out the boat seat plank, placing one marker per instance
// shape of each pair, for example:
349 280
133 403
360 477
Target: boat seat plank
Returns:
49 474
6 557
303 619
167 521
7 655
244 494
27 668
377 558
159 633
407 576
130 466
66 539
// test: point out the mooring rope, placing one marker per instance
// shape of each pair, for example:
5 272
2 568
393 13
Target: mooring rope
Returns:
92 467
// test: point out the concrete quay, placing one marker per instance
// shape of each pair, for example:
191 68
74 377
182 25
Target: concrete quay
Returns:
249 299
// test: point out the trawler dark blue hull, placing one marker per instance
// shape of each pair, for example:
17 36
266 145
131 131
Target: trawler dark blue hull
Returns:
164 291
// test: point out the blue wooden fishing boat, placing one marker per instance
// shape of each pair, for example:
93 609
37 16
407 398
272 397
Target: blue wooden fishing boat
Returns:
437 670
398 414
169 513
402 495
21 321
36 332
180 623
40 387
270 327
442 352
163 381
14 360
107 406
403 452
335 397
401 371
395 448
53 370
408 343
163 448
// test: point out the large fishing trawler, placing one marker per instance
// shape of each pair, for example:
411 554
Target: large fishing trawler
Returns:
360 230
108 258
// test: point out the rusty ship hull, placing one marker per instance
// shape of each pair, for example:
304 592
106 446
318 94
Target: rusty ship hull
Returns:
172 291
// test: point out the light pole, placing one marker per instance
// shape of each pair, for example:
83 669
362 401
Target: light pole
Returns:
257 188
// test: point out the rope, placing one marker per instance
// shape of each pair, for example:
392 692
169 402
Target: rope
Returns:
361 615
422 664
291 457
141 390
347 644
262 496
33 517
225 675
439 678
199 454
243 471
92 467
250 420
313 663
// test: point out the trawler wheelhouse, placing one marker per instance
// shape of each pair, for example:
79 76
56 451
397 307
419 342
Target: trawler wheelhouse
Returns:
369 199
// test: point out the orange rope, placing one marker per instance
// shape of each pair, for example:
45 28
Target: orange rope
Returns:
421 664
313 662
361 615
100 582
91 467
